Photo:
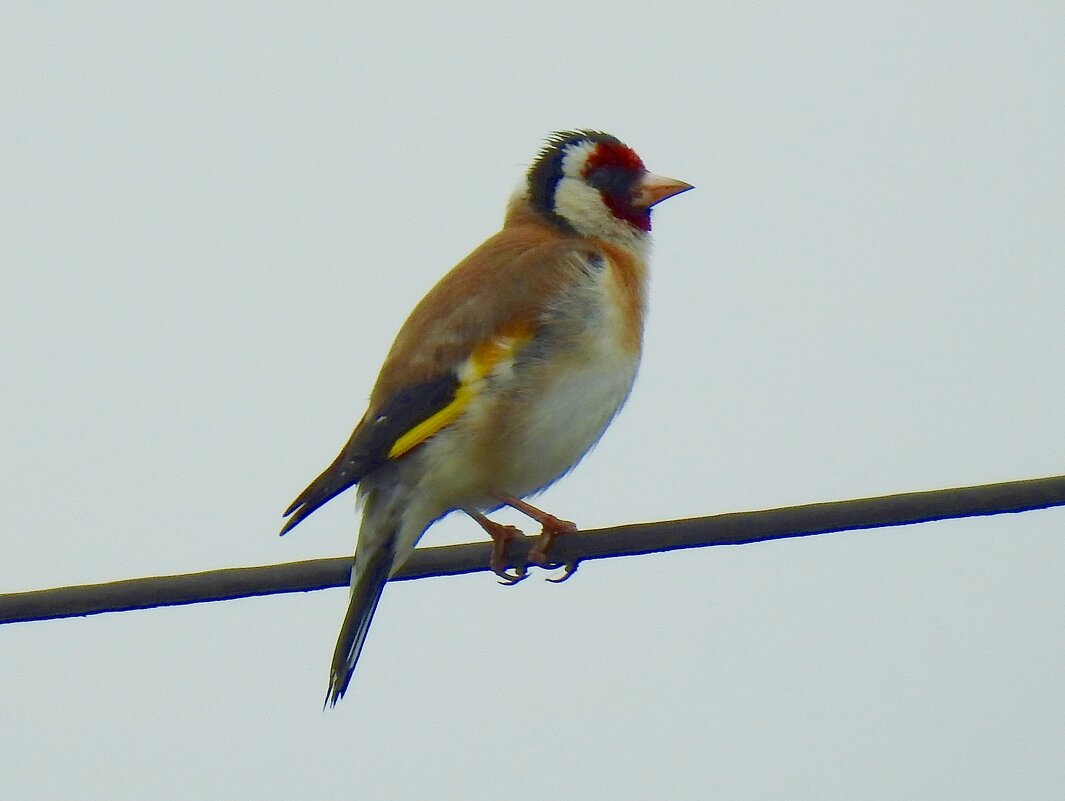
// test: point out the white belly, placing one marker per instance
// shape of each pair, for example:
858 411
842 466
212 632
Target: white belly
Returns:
569 415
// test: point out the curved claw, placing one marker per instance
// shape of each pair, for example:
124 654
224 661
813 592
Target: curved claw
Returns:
569 568
510 579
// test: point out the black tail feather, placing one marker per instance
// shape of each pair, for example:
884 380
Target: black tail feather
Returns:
365 595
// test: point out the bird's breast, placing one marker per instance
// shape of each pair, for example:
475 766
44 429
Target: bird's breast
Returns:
575 401
540 410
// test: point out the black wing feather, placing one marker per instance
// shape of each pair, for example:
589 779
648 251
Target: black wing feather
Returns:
370 443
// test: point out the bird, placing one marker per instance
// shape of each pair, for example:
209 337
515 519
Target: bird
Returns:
504 375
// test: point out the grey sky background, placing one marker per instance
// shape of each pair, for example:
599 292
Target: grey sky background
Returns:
216 216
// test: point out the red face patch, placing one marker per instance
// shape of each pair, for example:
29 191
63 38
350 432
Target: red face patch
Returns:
613 169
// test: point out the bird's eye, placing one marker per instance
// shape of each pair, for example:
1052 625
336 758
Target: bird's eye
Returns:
611 180
596 178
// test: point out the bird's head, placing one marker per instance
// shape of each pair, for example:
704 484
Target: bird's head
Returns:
593 184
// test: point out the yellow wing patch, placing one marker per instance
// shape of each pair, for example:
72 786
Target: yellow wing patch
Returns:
471 375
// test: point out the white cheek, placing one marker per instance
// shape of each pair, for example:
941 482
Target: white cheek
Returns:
579 203
583 207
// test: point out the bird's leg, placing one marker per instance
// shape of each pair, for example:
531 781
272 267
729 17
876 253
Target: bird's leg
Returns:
552 527
501 535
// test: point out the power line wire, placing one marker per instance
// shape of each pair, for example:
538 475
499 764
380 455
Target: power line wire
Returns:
735 528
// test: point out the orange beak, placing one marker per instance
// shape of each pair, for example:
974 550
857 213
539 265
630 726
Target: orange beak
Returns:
653 189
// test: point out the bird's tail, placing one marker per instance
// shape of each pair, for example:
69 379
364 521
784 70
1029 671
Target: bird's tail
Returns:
367 585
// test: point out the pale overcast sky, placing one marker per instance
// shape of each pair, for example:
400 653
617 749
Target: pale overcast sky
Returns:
216 215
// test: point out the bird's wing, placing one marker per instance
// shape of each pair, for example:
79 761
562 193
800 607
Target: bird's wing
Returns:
372 441
481 313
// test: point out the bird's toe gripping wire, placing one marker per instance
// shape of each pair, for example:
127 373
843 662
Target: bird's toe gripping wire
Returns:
501 536
551 529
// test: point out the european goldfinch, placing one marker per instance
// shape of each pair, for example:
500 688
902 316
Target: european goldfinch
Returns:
505 374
